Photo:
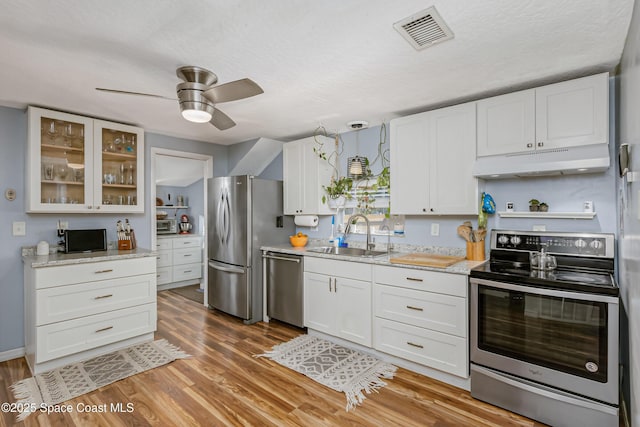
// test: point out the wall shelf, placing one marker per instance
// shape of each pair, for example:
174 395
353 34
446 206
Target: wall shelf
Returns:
550 215
172 207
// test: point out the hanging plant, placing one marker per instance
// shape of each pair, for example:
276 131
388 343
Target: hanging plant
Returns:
337 188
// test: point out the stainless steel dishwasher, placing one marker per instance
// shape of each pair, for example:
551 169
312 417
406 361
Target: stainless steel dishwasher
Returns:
285 287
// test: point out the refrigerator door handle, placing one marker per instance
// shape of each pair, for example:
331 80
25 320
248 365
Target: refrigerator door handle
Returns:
219 218
227 217
217 266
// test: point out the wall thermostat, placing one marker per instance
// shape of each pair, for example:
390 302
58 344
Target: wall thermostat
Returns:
509 207
587 206
10 194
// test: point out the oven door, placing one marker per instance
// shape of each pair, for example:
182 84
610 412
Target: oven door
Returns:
567 340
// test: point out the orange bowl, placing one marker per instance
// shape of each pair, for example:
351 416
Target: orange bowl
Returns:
298 242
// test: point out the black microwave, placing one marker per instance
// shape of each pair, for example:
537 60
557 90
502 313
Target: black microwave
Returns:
85 240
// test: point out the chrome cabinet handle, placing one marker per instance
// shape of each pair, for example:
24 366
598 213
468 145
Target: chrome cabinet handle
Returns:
540 144
329 284
529 145
104 329
415 345
103 296
186 255
410 307
335 285
187 271
104 271
414 279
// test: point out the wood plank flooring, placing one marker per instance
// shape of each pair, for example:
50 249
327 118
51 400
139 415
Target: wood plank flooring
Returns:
224 385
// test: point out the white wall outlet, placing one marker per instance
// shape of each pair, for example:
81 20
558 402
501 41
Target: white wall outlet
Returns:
587 206
19 228
435 229
539 228
64 225
509 206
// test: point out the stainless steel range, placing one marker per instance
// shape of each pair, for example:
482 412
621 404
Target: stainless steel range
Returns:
544 340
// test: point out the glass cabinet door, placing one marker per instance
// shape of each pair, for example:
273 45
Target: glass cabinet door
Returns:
60 156
79 164
119 181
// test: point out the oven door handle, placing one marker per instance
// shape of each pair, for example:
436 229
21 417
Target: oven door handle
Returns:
531 289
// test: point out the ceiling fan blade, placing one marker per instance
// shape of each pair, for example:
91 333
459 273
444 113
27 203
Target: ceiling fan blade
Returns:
221 120
233 91
126 92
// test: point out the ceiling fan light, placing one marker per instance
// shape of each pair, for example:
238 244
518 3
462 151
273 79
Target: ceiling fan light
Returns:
197 112
196 116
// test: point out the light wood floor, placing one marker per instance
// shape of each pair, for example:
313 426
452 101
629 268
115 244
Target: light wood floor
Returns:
223 384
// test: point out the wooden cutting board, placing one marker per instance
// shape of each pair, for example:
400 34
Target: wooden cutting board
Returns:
429 260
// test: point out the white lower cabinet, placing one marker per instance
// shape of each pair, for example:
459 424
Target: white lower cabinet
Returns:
179 259
338 303
78 310
422 316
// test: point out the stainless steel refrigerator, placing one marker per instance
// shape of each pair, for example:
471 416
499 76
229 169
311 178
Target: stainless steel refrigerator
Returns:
246 213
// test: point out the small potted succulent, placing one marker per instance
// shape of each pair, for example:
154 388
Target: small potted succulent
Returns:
543 207
534 205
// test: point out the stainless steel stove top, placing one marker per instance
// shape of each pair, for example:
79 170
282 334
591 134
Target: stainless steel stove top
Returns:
585 261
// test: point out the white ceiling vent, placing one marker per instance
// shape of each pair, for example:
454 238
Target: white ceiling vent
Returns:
424 29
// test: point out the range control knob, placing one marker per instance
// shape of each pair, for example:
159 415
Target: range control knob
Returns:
503 240
515 240
580 243
595 244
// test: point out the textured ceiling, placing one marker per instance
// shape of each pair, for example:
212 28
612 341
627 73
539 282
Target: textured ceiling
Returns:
319 62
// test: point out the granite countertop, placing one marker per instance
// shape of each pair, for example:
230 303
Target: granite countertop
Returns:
166 236
59 258
462 267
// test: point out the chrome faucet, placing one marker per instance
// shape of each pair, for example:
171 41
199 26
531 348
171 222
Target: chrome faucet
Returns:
347 229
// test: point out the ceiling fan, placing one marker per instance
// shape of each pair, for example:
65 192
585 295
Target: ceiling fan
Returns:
198 96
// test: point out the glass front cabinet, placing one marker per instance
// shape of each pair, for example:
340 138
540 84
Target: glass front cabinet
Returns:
80 164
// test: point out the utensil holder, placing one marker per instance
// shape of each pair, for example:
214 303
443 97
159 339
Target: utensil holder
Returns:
475 251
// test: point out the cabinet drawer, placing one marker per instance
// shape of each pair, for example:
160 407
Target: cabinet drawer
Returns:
186 242
350 270
422 280
70 302
165 258
93 271
438 312
187 256
73 336
187 272
164 244
163 275
434 349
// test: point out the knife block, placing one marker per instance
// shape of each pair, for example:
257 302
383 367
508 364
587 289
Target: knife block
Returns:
127 244
475 251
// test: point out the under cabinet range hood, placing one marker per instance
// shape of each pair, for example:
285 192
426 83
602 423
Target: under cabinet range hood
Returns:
558 161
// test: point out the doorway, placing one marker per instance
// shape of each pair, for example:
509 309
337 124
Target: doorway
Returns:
173 174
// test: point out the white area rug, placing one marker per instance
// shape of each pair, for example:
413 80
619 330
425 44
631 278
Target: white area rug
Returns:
334 366
67 382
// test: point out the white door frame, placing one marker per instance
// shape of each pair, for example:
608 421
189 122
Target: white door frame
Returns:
207 172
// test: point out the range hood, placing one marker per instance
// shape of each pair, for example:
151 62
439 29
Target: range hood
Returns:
559 161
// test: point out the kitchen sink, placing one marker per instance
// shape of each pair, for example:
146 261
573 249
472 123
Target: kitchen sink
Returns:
346 251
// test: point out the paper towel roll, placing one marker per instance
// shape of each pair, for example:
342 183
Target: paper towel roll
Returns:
306 220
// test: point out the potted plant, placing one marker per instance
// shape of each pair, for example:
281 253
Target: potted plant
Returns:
544 207
337 189
534 205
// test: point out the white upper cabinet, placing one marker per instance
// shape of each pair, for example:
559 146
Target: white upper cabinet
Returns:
304 173
506 123
575 112
432 157
78 164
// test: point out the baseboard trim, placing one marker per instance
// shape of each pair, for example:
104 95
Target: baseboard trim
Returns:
12 354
